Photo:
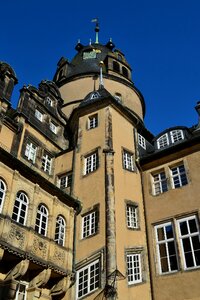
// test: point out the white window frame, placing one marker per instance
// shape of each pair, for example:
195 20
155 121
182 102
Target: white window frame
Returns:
31 151
166 241
60 230
134 268
141 141
128 160
89 224
39 115
189 236
20 208
159 183
91 163
46 163
21 293
42 220
163 141
93 121
2 193
176 135
89 275
65 180
53 127
132 219
177 179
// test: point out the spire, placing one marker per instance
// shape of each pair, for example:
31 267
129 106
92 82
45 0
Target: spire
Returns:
96 30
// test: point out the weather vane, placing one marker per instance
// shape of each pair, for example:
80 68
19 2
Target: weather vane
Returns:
96 29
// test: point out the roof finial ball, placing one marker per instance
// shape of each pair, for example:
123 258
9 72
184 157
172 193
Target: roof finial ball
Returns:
96 30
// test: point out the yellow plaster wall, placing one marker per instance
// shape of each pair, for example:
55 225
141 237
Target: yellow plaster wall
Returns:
80 88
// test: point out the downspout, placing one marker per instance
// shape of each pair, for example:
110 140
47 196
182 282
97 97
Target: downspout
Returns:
137 160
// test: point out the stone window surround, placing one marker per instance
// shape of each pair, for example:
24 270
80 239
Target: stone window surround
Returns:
136 205
167 169
177 237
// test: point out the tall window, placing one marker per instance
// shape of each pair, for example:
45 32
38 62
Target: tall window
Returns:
20 208
46 163
141 141
163 141
190 241
53 127
159 183
41 220
176 135
91 162
21 293
88 279
134 269
2 193
116 66
31 151
39 115
132 216
125 72
128 160
60 231
179 177
65 180
89 224
93 121
166 249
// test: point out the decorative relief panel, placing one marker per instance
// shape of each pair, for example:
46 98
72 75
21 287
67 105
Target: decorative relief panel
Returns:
39 248
16 237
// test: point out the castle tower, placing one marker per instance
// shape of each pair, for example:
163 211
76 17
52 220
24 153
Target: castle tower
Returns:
105 111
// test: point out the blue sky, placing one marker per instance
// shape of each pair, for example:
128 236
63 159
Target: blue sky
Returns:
160 39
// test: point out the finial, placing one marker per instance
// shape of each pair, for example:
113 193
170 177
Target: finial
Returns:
101 85
96 30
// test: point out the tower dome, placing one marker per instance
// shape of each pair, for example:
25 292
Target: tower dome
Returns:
79 77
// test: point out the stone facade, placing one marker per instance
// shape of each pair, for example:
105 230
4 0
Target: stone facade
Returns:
93 205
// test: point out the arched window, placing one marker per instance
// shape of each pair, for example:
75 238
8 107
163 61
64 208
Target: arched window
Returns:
41 220
125 72
2 193
60 230
116 66
20 208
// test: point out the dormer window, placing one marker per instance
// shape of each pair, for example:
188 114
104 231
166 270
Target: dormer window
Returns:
49 101
176 135
39 115
53 127
163 141
118 97
94 95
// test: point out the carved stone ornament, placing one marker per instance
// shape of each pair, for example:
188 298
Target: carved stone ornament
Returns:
39 248
59 257
62 286
41 279
16 236
19 270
